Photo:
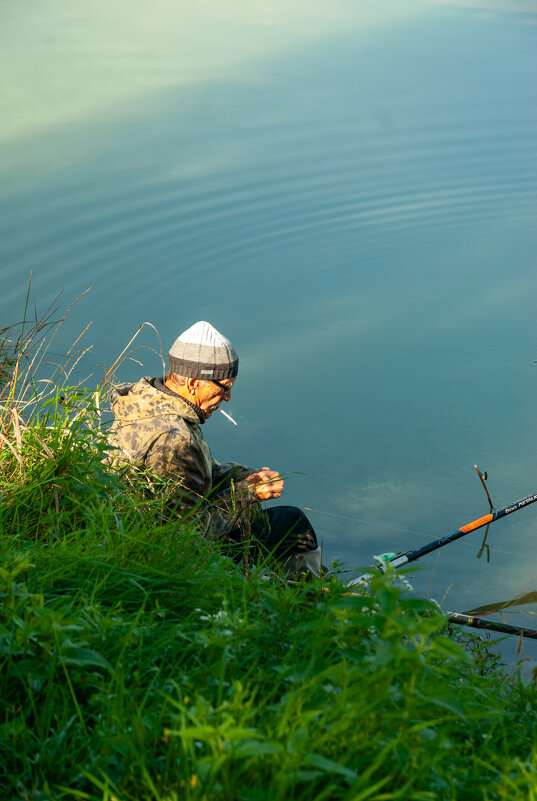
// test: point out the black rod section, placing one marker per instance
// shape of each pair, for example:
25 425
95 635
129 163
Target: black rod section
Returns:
491 625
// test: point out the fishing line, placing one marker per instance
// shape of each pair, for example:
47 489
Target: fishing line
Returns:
367 522
389 526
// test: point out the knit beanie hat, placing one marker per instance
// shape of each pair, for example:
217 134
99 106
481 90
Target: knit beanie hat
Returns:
202 352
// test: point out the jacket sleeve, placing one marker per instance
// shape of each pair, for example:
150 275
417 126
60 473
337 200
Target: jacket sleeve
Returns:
179 461
224 474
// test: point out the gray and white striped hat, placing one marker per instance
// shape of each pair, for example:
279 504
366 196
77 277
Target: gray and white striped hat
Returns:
202 352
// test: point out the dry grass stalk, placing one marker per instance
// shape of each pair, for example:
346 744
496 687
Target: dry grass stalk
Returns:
13 451
46 449
108 379
17 429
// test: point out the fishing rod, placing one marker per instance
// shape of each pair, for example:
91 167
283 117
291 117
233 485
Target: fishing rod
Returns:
398 560
491 625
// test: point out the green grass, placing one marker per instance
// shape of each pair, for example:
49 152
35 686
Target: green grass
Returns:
139 662
148 666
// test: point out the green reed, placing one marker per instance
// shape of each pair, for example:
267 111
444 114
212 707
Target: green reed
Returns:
139 662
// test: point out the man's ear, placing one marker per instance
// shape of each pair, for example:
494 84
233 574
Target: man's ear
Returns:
191 385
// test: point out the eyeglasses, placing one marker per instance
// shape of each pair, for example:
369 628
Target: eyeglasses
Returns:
223 387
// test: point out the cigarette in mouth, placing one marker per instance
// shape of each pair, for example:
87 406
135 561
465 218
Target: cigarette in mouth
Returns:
227 415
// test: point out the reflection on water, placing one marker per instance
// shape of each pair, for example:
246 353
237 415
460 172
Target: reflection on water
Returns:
523 599
348 191
67 61
485 547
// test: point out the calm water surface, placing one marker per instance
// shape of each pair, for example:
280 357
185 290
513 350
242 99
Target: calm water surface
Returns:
348 191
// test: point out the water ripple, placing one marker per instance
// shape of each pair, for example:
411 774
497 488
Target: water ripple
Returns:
172 221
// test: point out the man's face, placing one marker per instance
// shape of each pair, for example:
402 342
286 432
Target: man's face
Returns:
209 395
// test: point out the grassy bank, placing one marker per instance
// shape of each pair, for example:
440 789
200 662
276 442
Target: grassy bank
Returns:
138 662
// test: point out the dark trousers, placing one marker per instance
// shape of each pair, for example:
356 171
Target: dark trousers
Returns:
286 526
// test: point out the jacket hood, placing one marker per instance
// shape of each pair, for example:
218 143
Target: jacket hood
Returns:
143 401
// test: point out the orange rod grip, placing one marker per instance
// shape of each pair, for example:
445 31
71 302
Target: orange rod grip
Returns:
476 524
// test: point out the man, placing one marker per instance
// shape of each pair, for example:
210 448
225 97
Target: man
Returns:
158 426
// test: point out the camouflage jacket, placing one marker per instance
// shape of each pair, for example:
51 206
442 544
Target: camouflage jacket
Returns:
157 429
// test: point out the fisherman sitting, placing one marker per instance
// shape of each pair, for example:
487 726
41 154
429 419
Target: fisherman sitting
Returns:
158 426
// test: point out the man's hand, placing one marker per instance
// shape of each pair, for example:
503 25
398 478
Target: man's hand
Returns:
267 482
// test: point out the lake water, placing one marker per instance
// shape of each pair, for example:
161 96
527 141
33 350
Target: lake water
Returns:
348 191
